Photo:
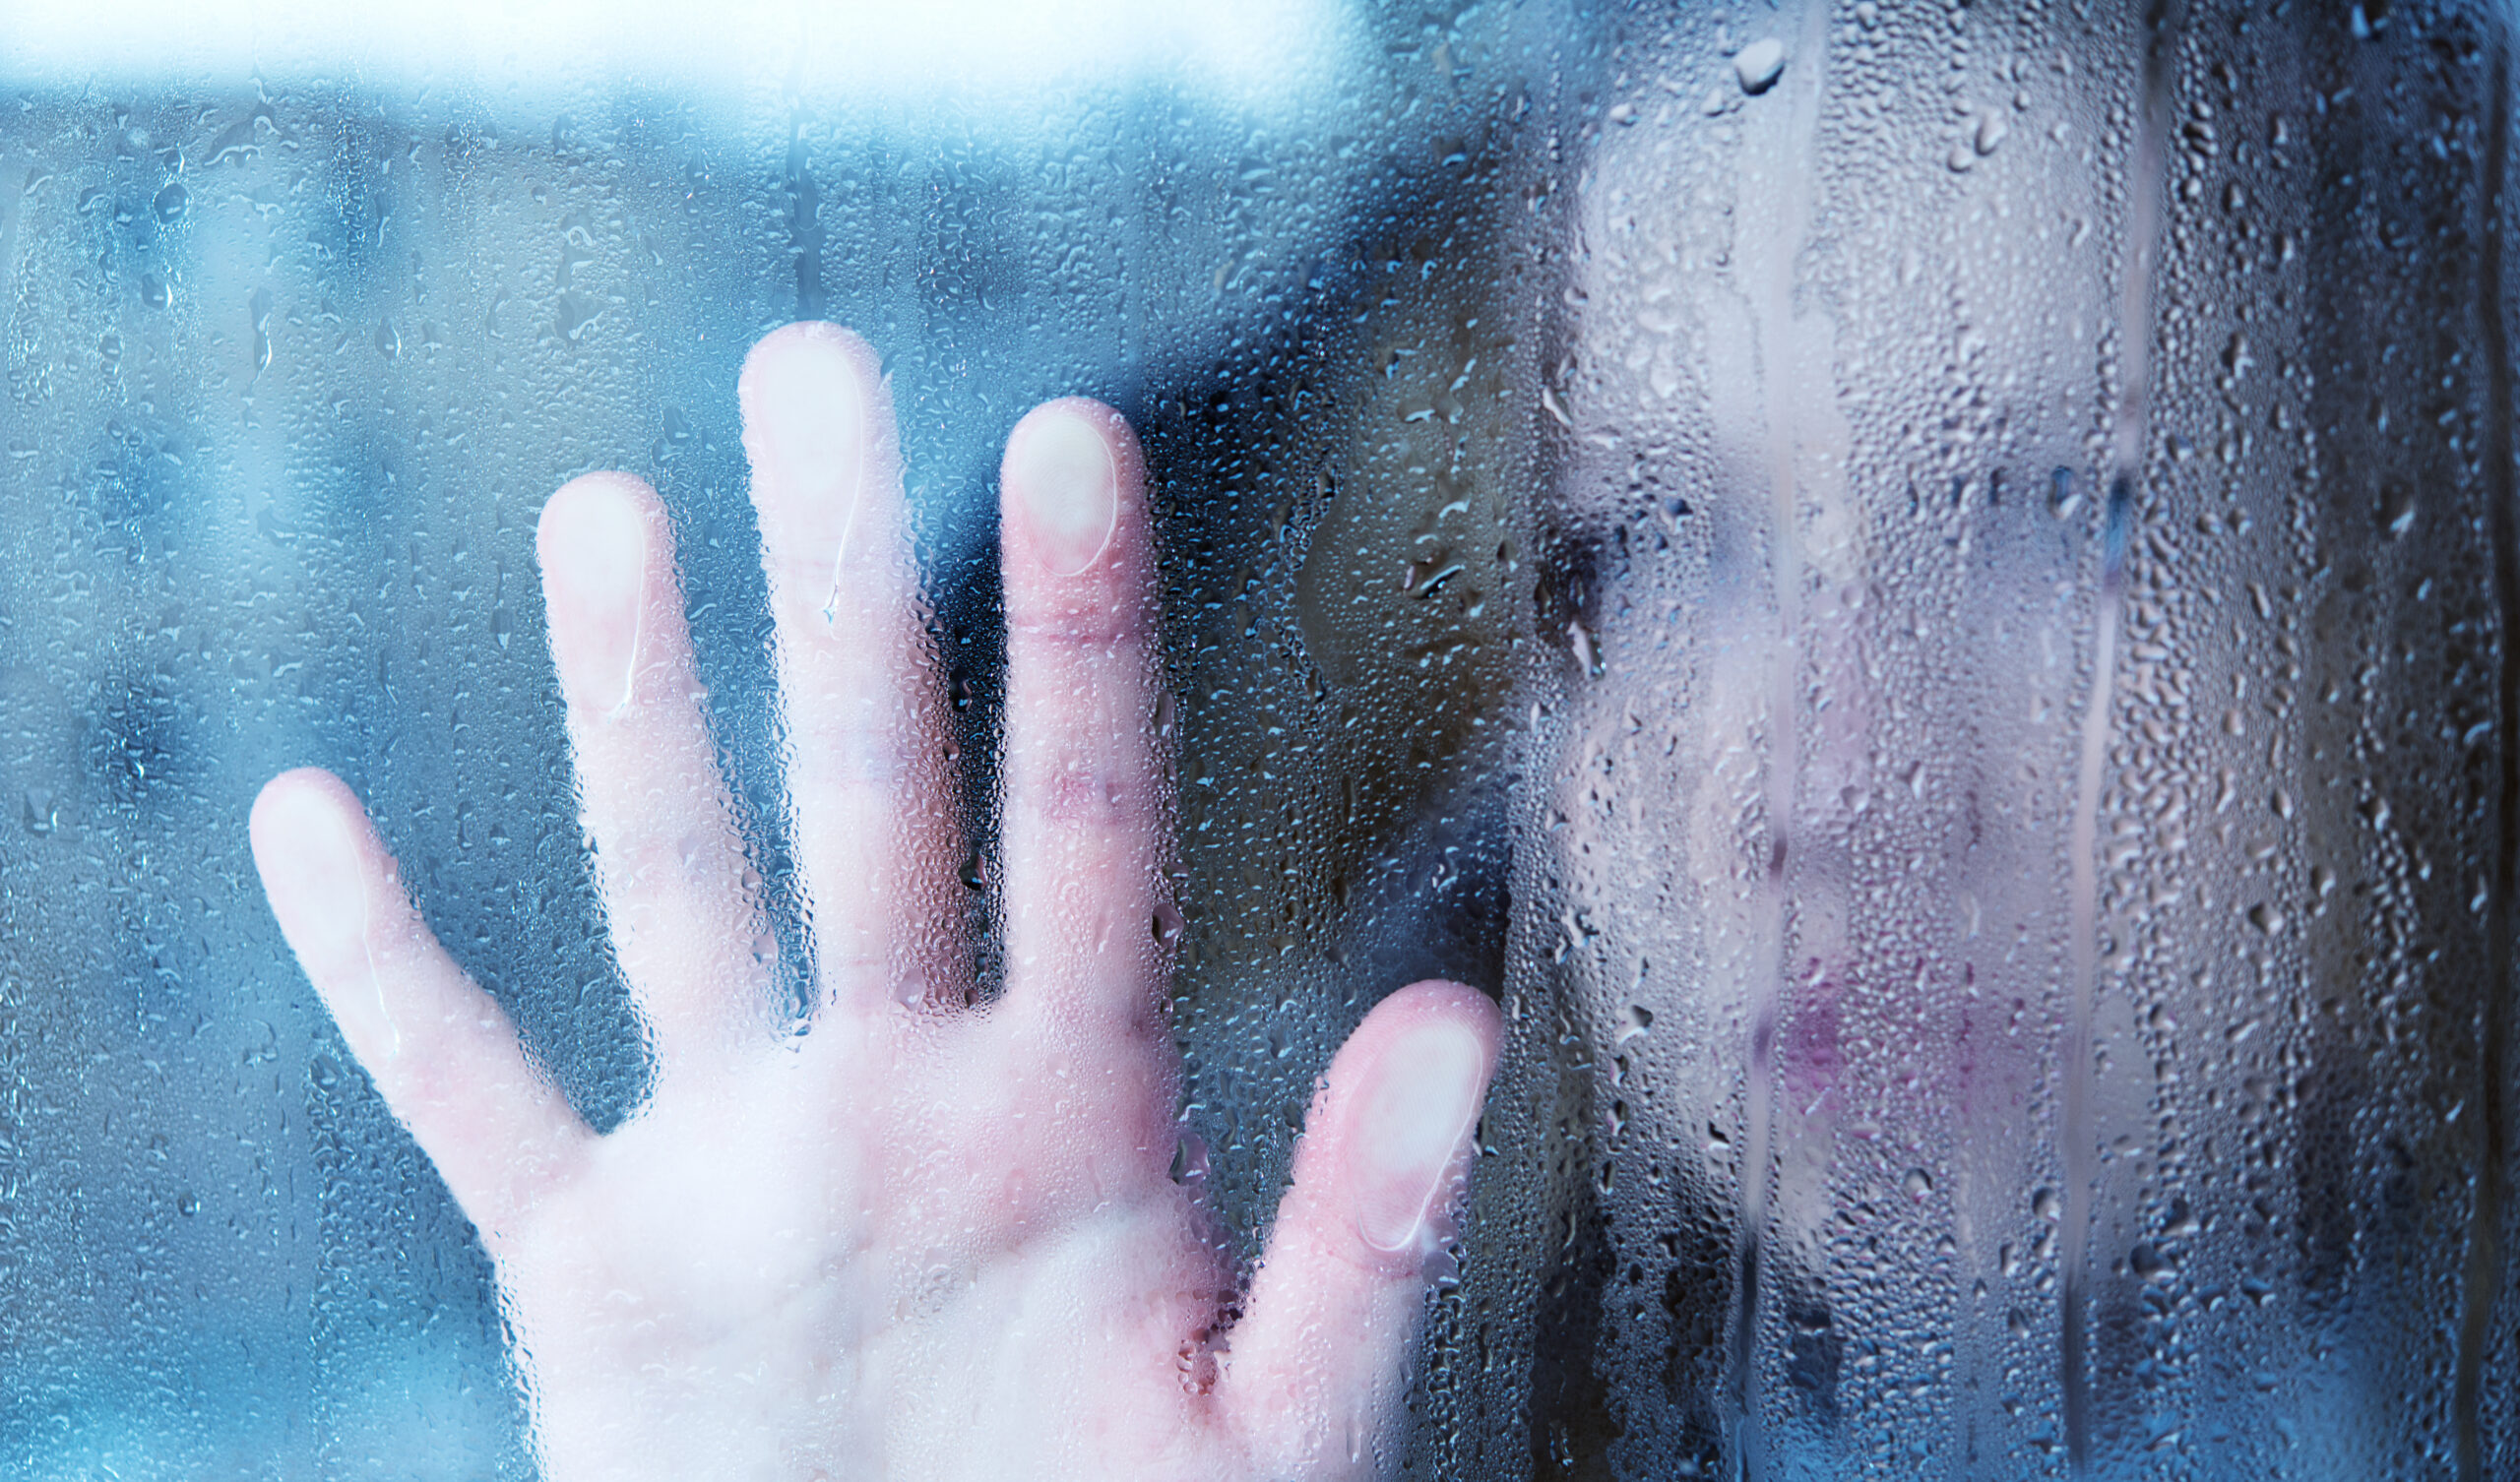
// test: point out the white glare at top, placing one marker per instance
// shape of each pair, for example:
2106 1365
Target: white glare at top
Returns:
1252 50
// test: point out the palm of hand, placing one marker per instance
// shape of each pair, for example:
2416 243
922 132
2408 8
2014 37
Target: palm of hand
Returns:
920 1239
857 1302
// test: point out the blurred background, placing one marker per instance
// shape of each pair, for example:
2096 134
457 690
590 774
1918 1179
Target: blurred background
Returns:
1920 590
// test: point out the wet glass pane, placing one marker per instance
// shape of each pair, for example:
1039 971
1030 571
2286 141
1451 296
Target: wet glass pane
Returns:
1919 592
2023 879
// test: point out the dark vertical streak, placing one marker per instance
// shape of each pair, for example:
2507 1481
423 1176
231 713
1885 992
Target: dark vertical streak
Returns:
2484 1278
805 221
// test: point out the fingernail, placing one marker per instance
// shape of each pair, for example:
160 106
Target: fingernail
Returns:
1061 470
595 554
1411 1129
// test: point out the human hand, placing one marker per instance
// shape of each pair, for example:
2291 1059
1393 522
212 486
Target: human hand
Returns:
923 1238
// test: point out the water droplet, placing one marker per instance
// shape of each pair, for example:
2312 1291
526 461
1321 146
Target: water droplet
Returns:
2062 499
2397 511
577 311
258 308
1759 63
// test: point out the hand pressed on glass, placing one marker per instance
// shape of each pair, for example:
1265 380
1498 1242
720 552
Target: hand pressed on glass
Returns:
924 1240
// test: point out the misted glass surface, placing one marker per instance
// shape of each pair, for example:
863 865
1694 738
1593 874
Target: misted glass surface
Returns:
1920 591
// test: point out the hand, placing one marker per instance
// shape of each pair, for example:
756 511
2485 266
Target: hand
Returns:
923 1237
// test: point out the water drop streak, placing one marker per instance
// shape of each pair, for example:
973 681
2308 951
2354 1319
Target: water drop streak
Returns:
2147 177
2076 1237
2483 1285
1772 242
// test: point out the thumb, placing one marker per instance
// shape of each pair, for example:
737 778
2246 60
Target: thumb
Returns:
1320 1361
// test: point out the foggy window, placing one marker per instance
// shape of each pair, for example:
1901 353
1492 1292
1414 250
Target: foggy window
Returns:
1919 593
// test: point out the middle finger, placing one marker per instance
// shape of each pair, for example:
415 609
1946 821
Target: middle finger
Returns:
873 819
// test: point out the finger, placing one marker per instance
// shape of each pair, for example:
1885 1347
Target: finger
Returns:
442 1054
669 864
874 829
1088 778
1322 1355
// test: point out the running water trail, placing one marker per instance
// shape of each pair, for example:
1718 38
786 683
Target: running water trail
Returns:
2483 1281
1776 227
2127 450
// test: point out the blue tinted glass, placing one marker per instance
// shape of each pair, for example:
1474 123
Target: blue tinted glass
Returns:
1921 593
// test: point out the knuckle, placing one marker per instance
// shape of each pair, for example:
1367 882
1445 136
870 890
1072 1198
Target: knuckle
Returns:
1076 788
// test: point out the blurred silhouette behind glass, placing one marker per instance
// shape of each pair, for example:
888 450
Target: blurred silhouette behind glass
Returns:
1953 560
2020 909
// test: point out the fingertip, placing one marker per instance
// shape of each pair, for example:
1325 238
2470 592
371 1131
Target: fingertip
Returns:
1099 417
806 347
1071 485
311 845
306 808
1406 1095
1443 997
598 543
286 797
1411 1019
811 395
591 514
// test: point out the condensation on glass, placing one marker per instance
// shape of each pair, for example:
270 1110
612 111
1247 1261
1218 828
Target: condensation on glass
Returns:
296 351
2020 907
1920 588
